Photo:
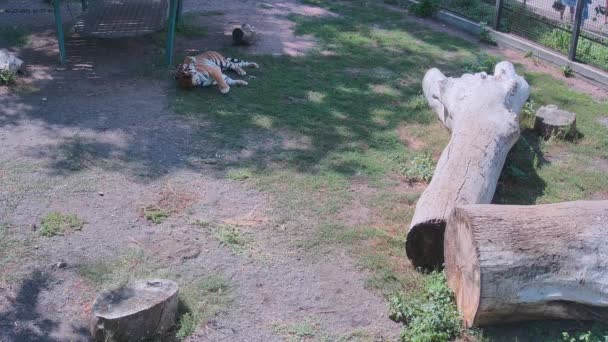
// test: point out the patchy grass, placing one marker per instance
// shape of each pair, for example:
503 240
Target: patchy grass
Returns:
188 27
170 201
231 237
356 102
200 301
155 214
56 223
12 254
297 332
239 174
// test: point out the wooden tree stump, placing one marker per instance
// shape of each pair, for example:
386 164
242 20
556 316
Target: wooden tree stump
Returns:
481 111
244 35
135 312
552 121
510 263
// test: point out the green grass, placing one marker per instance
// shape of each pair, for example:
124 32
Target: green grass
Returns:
155 214
331 131
200 301
231 237
56 223
14 36
239 174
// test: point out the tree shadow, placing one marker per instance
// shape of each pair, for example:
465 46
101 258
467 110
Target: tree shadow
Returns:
519 182
22 321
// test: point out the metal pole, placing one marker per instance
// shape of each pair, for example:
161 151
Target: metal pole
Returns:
171 30
59 28
498 13
576 28
180 5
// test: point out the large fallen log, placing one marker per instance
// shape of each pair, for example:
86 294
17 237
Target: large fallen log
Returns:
512 263
482 113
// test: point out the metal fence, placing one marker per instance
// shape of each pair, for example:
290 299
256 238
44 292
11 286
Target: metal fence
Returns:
575 28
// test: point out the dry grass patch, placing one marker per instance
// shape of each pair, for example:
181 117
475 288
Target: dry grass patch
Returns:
170 201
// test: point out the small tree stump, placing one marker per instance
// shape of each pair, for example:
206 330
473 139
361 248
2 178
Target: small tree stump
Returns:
138 311
510 263
552 121
244 35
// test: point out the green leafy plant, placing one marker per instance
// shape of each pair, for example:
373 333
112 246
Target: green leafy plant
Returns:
485 35
567 71
420 168
483 63
594 335
7 77
425 8
430 315
56 223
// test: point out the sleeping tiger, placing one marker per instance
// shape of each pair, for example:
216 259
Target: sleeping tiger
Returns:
206 70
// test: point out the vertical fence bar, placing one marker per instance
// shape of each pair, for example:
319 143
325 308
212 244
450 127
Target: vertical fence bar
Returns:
59 27
576 28
498 14
180 5
171 30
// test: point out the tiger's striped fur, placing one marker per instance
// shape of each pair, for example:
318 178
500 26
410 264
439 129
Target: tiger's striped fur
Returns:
206 69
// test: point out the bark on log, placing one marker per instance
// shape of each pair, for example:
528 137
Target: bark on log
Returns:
136 312
482 112
510 263
244 35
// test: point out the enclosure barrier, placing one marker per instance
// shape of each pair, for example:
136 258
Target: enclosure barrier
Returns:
576 29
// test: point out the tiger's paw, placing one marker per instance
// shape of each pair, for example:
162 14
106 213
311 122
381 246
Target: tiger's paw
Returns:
242 83
225 90
254 65
241 72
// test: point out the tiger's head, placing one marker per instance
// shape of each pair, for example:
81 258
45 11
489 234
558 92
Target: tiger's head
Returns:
185 72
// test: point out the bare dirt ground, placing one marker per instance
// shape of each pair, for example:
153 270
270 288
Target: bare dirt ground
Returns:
98 139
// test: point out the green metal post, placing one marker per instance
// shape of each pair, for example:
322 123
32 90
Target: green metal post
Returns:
59 27
180 5
171 30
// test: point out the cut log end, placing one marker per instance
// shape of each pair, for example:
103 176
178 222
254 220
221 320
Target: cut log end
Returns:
424 244
462 266
244 35
552 121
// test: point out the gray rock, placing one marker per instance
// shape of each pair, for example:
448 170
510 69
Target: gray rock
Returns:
8 61
552 121
138 311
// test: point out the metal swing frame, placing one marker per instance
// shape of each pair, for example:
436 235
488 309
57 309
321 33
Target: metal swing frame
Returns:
175 11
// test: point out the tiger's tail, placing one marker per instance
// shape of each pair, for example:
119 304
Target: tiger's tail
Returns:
241 64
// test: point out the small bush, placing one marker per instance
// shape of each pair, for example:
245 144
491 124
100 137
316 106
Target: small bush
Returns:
56 223
420 168
430 315
425 8
567 71
7 77
594 335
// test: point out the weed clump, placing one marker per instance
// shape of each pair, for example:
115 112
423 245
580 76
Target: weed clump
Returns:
420 168
56 223
430 315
